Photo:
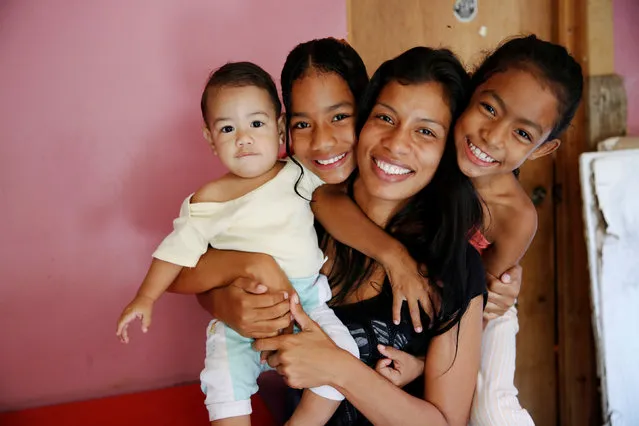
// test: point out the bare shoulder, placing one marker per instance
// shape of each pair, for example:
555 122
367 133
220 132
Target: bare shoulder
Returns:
515 214
216 191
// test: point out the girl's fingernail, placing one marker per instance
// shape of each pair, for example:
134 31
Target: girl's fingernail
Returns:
285 295
506 278
380 348
396 322
418 329
296 299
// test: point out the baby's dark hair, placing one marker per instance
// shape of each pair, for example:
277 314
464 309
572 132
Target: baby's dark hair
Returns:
240 74
325 55
549 62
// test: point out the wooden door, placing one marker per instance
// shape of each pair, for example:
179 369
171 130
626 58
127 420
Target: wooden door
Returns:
381 29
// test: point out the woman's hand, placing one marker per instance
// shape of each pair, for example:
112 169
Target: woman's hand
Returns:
247 308
399 367
307 359
502 293
409 285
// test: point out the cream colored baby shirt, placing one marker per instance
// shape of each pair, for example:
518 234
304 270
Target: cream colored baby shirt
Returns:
271 219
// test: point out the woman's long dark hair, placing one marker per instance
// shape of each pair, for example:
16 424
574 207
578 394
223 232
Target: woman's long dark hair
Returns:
435 223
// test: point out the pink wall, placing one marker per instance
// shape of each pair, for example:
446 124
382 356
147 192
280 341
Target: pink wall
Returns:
100 141
626 14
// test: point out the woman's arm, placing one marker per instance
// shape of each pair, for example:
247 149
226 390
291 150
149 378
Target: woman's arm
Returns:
217 268
311 359
450 375
248 302
347 223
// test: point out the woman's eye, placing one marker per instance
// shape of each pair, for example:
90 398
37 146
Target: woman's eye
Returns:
257 123
227 129
301 125
523 134
340 117
385 118
488 108
426 132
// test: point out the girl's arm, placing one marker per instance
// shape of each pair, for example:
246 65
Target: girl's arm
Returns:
310 359
512 233
514 229
347 223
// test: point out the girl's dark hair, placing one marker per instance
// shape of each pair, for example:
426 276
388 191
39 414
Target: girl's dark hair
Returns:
549 62
240 74
436 222
324 55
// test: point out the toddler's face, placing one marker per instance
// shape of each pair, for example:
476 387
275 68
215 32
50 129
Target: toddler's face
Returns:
244 129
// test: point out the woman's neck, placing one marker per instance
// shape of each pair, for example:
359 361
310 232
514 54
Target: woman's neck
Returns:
378 210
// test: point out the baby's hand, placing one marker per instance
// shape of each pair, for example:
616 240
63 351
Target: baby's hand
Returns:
141 307
399 367
409 285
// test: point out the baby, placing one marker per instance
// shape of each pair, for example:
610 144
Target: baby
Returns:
260 205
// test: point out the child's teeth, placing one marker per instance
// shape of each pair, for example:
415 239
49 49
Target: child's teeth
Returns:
480 154
331 160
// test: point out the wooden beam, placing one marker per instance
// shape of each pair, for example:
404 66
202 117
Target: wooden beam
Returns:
607 108
579 402
600 44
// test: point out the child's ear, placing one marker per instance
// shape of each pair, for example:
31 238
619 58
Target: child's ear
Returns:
545 148
209 138
281 128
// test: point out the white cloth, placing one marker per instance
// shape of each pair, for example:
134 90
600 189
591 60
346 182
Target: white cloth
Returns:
231 367
271 219
495 402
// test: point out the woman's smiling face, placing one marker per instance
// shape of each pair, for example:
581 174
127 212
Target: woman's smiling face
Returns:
403 140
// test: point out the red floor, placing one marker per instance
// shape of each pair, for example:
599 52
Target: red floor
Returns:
177 406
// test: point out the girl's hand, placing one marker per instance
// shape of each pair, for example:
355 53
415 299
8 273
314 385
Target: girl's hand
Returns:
141 307
502 293
306 359
399 367
409 285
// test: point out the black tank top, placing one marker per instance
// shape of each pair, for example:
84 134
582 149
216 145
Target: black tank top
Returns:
370 323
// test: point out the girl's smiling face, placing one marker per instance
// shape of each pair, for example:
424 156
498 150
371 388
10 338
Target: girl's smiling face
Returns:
508 120
323 125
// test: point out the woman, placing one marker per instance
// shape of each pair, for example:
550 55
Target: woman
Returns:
430 207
